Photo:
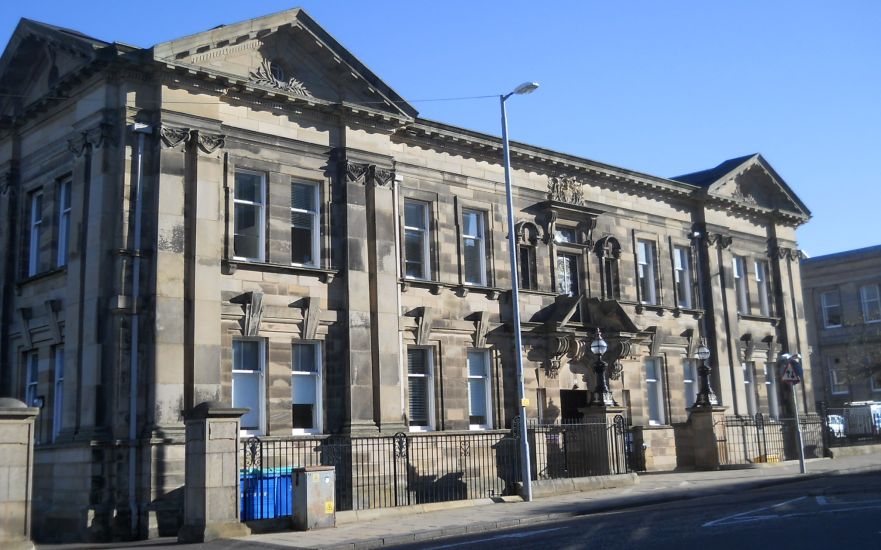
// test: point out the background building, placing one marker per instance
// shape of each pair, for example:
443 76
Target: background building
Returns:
841 296
249 215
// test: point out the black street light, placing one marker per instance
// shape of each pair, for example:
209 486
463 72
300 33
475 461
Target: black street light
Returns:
602 395
705 397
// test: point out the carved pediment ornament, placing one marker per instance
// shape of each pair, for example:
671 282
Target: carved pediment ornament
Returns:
784 252
172 137
739 194
565 189
264 76
356 172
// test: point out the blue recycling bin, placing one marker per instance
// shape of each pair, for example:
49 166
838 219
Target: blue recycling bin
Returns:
265 494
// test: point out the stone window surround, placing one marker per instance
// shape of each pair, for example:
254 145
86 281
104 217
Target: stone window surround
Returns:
579 249
824 305
284 174
489 230
431 200
660 294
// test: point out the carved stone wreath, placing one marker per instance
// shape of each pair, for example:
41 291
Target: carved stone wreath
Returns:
264 77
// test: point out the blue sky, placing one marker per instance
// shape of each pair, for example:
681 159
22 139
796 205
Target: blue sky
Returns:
660 87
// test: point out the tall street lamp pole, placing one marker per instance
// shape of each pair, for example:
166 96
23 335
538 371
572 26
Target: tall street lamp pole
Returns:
525 88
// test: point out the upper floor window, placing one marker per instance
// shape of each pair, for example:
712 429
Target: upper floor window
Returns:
871 303
526 272
250 216
306 395
474 247
63 222
682 270
647 271
248 392
478 390
830 304
36 228
763 281
420 388
305 231
741 289
565 235
416 242
609 251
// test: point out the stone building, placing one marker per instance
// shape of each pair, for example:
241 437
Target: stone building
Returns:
249 215
843 305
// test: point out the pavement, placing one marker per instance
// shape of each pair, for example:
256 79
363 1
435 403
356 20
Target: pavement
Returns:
395 526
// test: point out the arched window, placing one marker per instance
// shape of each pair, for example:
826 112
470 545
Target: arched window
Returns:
608 251
528 235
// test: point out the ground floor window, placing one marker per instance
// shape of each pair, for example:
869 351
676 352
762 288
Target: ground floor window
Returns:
58 402
655 390
749 386
690 381
248 392
419 385
32 365
478 390
306 395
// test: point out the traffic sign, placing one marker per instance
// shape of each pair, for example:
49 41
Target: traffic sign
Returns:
789 375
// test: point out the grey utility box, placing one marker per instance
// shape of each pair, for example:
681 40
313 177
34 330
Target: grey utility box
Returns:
313 504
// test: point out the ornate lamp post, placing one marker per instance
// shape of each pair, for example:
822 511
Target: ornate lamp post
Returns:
602 395
705 397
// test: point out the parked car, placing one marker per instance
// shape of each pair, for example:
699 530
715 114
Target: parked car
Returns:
836 425
863 418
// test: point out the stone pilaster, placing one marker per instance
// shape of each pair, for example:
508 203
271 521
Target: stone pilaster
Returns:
211 490
385 317
16 471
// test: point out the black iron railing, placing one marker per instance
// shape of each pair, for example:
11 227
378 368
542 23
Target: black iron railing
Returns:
568 450
851 426
758 439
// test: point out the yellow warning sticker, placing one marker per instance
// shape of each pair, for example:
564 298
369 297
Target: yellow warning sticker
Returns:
328 507
315 477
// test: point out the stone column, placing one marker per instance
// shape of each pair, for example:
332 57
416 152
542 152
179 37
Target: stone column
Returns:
707 426
211 489
16 473
605 455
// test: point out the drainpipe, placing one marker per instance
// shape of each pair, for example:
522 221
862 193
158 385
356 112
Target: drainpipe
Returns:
401 355
141 130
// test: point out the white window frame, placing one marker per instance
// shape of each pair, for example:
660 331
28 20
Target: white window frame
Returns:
423 233
261 384
568 274
825 306
866 300
749 387
32 377
741 288
874 381
763 282
682 276
36 230
771 390
316 377
64 201
261 216
690 380
429 389
480 237
487 390
833 382
58 395
656 385
647 271
314 215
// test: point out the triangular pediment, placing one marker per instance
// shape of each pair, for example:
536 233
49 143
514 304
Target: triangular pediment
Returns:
749 181
606 314
37 59
287 53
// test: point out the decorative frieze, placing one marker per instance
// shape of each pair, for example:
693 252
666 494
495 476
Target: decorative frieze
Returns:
381 177
209 143
92 138
784 252
172 137
356 172
718 239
